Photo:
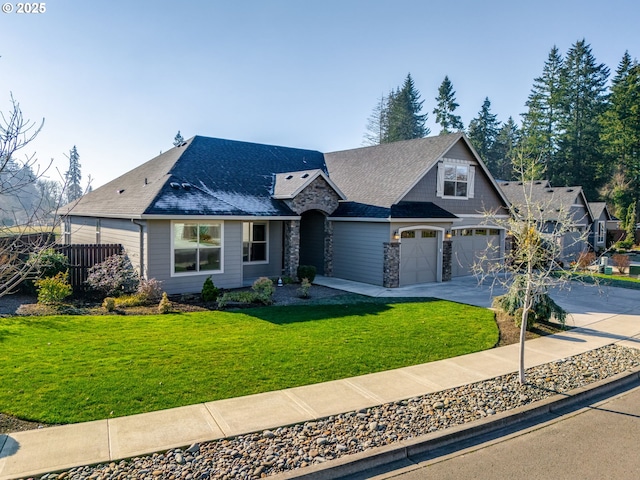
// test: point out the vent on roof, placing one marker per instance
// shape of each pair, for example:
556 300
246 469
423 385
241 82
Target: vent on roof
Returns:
519 183
120 191
305 175
146 181
538 183
186 186
183 144
288 177
175 185
569 189
550 190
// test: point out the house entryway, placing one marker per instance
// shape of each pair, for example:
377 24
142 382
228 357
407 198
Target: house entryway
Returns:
419 256
312 239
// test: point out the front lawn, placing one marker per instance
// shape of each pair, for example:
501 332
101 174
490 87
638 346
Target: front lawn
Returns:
66 369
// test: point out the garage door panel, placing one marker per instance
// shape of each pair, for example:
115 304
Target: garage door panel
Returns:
469 249
418 260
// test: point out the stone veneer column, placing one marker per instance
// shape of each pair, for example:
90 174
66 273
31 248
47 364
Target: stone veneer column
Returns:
391 273
328 248
291 248
447 259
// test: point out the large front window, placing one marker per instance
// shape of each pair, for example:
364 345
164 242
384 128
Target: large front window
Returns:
455 180
197 247
254 242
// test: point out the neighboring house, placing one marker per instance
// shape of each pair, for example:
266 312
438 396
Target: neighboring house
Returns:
555 204
601 218
394 214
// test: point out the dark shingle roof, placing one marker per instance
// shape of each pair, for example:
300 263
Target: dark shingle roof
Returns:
598 208
206 176
381 174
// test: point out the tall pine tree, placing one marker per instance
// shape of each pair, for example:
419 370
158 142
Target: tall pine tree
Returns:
483 131
620 134
405 121
73 176
178 140
583 87
504 149
445 106
540 124
378 123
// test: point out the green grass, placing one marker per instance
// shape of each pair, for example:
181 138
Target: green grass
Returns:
604 279
66 369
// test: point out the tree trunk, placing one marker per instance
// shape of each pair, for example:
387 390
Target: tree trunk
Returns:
526 306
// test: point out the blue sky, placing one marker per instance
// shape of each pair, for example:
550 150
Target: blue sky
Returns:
118 79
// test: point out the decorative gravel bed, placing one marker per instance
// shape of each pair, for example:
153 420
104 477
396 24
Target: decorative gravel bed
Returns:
266 453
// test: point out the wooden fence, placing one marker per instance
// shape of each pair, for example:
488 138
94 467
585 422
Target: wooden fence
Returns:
84 256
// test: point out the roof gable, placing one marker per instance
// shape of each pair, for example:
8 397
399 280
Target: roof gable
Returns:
288 185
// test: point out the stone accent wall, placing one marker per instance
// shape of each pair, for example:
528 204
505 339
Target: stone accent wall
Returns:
328 248
318 195
447 259
291 248
391 274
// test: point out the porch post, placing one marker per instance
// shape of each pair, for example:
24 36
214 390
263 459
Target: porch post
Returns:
328 247
447 259
291 248
391 273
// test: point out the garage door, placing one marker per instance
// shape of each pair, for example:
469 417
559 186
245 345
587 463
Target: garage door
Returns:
469 245
418 256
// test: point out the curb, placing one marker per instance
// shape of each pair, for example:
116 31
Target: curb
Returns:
403 451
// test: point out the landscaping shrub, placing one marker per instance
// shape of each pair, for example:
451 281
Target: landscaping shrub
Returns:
543 309
624 244
150 289
47 263
586 259
263 286
621 262
307 271
53 290
209 291
133 300
244 297
113 277
109 304
165 304
305 286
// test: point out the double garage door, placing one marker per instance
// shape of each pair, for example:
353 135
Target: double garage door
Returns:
418 256
469 245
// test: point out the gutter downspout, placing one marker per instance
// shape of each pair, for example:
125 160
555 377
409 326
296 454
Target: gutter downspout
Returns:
141 230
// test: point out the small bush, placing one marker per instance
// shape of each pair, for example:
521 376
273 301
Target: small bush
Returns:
263 286
165 304
47 263
113 277
244 297
109 304
621 262
585 260
135 300
305 286
307 271
626 244
150 289
53 290
209 291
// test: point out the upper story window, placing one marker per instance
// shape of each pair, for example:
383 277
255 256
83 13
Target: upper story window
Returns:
602 231
455 179
254 242
197 247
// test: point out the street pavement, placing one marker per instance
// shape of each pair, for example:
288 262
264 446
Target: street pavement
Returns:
599 441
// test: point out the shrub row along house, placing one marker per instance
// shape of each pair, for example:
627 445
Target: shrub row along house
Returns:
394 214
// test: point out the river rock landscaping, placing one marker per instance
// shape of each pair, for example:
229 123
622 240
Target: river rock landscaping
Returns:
265 453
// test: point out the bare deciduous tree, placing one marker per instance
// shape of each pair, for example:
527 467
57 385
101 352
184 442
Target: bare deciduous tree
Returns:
24 210
534 262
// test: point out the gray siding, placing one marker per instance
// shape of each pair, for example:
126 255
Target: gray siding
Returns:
159 259
358 251
274 267
485 197
112 230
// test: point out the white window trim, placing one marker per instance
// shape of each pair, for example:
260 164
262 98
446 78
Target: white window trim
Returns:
196 273
259 262
602 231
471 176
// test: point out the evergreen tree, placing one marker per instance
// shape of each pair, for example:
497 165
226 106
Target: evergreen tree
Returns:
445 106
178 140
540 124
620 134
377 124
73 176
483 131
405 121
583 87
504 150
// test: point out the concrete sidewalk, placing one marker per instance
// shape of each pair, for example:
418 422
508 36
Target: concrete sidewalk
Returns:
601 321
